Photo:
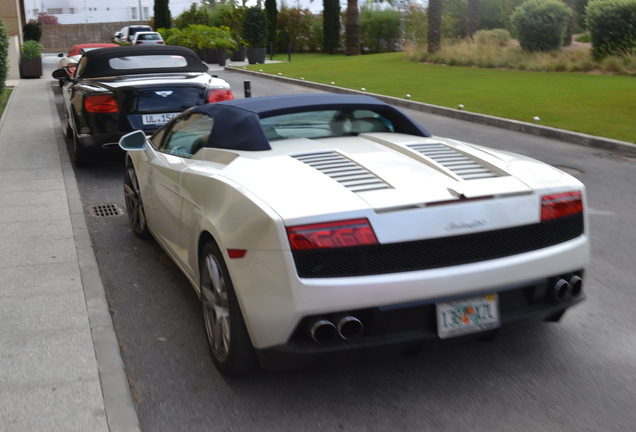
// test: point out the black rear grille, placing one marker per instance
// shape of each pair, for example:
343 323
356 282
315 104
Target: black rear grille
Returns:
436 253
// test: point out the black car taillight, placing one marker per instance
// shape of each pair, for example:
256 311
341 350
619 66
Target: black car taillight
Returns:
101 104
219 95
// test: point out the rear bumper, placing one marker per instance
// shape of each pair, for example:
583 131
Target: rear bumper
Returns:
407 328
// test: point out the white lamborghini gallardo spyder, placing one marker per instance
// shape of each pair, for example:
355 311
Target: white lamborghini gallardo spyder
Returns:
314 227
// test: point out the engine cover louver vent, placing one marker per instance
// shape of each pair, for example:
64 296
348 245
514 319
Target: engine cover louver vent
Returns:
344 171
451 159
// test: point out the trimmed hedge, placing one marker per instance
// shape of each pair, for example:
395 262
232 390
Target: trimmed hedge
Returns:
612 26
4 55
255 27
541 24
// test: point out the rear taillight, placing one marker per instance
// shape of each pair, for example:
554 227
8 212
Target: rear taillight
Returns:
356 232
138 43
160 42
101 104
559 205
218 95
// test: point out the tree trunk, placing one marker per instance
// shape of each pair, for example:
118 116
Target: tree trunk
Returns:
473 18
352 28
434 25
567 39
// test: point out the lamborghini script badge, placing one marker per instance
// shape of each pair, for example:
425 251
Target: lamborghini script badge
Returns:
468 225
164 93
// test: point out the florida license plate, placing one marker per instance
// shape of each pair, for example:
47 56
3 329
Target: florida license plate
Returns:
158 119
467 315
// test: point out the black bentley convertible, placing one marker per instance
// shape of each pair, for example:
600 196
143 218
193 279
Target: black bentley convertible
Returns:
115 91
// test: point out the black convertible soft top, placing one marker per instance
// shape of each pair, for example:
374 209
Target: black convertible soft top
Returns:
98 61
237 123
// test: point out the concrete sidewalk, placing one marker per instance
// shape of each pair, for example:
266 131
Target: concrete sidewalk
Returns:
60 364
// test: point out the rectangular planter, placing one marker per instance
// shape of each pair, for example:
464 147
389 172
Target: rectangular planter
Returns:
31 68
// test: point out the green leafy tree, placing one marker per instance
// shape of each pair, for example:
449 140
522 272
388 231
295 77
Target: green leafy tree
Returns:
194 15
4 55
415 23
473 17
272 20
541 24
295 28
380 29
162 15
454 19
331 25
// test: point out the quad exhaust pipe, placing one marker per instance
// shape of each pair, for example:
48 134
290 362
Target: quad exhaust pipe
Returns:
322 330
566 287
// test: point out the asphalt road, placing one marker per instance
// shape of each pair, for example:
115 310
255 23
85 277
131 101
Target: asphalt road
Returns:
577 375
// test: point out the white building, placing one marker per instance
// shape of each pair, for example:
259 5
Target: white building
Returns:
97 11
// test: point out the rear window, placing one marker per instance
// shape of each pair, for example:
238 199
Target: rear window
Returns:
148 62
149 37
324 124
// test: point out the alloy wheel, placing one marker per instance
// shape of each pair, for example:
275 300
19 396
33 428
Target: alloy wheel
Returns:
216 311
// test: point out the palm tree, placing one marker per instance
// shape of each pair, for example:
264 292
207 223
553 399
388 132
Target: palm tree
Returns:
352 29
434 25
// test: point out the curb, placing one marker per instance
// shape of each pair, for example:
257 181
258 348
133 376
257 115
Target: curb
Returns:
121 413
513 125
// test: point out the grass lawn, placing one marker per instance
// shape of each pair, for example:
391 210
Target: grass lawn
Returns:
4 97
601 105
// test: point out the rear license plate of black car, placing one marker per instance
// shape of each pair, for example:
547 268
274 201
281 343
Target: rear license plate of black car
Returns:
158 119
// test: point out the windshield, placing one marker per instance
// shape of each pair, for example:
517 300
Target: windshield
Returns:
324 124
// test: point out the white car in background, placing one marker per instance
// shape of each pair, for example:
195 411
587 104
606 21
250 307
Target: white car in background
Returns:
147 38
316 227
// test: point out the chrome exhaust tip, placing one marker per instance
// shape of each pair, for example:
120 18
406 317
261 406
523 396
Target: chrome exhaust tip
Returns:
562 290
321 330
576 284
350 328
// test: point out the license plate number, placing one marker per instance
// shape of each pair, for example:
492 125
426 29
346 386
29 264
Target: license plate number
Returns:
467 315
158 119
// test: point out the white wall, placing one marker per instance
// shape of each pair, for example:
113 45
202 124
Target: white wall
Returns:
95 11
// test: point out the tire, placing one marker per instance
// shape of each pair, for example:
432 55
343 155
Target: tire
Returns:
134 203
230 345
82 156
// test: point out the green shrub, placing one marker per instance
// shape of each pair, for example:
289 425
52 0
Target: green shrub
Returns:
32 31
31 50
4 55
496 37
379 29
612 26
192 16
586 38
541 24
255 27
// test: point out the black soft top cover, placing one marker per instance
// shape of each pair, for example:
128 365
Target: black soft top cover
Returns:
237 123
98 60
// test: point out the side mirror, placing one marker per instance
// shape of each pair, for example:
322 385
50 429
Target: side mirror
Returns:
60 55
60 74
133 141
118 34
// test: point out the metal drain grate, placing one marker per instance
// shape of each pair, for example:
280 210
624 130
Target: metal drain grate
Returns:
614 157
103 210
